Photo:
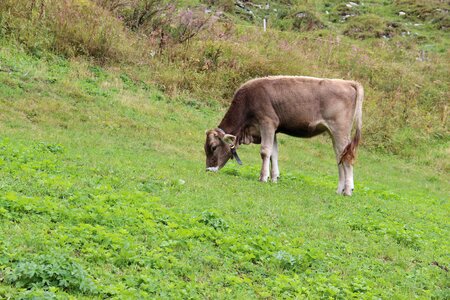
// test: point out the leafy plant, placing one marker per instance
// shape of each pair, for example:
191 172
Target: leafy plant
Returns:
211 219
44 271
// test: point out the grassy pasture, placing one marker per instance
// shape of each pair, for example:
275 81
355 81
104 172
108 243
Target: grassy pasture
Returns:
103 194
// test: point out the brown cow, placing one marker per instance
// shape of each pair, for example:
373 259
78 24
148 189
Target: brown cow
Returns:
295 105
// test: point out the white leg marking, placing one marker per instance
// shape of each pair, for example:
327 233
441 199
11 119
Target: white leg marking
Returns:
348 189
274 172
267 138
341 183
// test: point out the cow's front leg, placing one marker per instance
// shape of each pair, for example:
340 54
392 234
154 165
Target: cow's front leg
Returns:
267 138
265 156
274 171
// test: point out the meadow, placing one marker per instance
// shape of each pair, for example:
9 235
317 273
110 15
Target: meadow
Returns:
104 194
103 189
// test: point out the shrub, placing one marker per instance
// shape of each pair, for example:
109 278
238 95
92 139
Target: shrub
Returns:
370 26
138 15
160 21
340 12
434 11
83 29
225 5
71 28
305 20
297 18
187 24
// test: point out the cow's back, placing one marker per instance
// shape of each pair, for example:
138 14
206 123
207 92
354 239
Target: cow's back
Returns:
299 105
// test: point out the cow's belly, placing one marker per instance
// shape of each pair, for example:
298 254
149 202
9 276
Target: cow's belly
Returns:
303 130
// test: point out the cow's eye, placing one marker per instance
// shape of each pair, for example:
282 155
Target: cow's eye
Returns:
213 148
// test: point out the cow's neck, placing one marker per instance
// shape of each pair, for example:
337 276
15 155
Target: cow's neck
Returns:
234 120
228 128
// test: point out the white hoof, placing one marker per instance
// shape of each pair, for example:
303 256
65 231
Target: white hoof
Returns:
348 192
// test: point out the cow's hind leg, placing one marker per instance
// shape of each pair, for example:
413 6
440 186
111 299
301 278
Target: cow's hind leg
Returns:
345 169
349 185
341 183
267 141
274 171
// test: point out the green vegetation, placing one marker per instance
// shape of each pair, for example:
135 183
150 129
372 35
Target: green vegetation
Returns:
103 192
370 26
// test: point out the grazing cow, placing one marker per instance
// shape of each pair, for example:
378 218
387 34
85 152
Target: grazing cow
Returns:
295 105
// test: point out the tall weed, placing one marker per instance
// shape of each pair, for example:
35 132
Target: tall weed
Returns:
70 28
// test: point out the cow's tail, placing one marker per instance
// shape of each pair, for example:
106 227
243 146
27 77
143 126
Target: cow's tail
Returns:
349 153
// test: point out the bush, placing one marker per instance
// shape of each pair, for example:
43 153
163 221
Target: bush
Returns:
340 12
306 20
225 5
70 28
371 26
297 18
433 11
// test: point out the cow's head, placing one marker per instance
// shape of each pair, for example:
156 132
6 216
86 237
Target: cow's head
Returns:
219 148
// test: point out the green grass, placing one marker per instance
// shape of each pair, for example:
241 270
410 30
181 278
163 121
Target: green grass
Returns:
402 61
103 194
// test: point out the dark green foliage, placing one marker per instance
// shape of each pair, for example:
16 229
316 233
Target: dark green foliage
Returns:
211 219
45 271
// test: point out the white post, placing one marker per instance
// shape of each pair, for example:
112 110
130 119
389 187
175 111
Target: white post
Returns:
265 24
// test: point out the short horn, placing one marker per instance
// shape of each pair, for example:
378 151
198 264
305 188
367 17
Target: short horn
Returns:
229 139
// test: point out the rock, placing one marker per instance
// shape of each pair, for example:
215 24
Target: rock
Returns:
346 17
402 13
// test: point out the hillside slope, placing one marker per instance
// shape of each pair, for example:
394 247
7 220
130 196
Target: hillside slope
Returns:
204 50
103 194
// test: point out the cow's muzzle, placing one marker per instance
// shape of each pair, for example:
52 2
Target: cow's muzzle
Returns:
212 169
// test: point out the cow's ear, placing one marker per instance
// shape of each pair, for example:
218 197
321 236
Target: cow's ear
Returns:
229 139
